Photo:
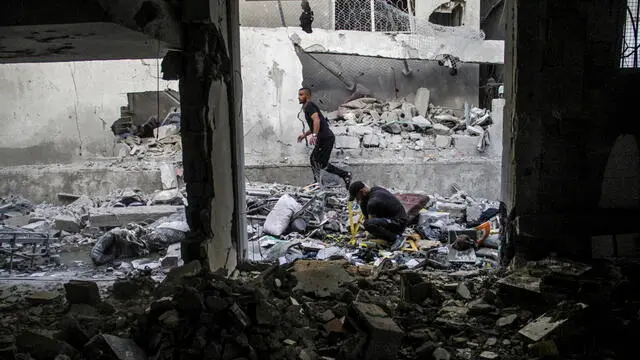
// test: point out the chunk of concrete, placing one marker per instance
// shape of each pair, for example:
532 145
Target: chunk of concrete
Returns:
168 176
114 217
443 141
415 136
440 129
347 142
17 221
466 145
340 130
423 96
43 347
371 140
409 111
68 223
173 257
167 197
43 297
392 128
113 347
82 292
421 122
38 226
320 277
332 116
384 336
359 131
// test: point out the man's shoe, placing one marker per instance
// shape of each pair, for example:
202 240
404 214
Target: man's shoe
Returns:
347 180
398 243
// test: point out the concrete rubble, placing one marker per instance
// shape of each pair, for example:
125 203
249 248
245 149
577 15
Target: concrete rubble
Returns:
399 124
311 292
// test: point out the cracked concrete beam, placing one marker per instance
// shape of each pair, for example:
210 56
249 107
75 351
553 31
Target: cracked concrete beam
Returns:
399 46
155 18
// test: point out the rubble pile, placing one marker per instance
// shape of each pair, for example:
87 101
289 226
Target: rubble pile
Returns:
133 146
312 309
398 125
316 225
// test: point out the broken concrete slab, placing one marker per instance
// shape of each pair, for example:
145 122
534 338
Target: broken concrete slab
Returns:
359 130
82 292
339 130
423 96
167 197
322 278
113 347
443 141
43 347
43 297
114 217
168 176
440 129
38 226
384 336
173 256
392 127
371 140
421 122
68 223
347 142
409 111
17 221
551 322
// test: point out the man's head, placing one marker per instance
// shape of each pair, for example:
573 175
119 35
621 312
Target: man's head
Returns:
304 95
357 190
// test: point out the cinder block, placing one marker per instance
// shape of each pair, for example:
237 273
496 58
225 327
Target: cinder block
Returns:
384 336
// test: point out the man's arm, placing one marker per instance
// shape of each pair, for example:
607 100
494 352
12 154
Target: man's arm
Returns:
316 123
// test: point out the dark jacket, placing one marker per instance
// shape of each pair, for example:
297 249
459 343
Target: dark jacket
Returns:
380 203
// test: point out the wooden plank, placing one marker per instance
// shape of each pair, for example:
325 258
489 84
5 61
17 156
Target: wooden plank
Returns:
114 217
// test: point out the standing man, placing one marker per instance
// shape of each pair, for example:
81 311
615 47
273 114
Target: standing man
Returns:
320 136
385 217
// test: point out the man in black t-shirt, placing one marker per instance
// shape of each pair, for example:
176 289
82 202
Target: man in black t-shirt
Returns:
320 136
385 216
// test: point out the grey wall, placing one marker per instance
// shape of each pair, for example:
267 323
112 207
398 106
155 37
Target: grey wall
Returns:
385 79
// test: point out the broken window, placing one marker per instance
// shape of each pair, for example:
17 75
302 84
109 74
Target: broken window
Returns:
448 14
630 36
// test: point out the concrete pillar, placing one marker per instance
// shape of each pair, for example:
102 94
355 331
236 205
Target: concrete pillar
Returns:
559 108
213 156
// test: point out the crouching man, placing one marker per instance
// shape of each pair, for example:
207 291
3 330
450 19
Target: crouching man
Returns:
385 217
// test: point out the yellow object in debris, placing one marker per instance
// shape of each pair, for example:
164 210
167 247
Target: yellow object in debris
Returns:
412 244
353 227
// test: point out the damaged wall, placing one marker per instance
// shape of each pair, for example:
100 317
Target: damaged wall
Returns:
386 79
61 112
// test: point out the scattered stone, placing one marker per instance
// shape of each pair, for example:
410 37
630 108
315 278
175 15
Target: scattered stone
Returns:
409 111
173 256
463 291
113 347
360 131
384 337
121 216
475 130
327 316
43 297
491 341
507 320
371 140
38 226
82 292
340 130
347 142
167 197
393 128
43 347
443 141
440 129
441 354
423 96
68 223
488 355
168 176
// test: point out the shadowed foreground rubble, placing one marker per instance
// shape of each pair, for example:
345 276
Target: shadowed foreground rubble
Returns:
312 309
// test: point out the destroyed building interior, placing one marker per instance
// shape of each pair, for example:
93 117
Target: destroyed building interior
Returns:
155 204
